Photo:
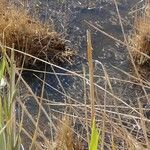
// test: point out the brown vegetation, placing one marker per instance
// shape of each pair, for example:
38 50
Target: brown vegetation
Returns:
65 138
140 46
141 41
20 31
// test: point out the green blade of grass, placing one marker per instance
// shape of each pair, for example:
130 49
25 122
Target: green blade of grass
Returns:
94 137
2 138
2 135
2 67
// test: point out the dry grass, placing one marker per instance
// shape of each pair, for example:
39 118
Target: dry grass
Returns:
65 138
140 40
140 43
122 125
20 31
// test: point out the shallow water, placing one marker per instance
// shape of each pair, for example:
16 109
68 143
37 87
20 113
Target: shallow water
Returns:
69 19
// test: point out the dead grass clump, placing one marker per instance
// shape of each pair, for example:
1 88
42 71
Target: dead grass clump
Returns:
20 31
140 46
140 42
65 139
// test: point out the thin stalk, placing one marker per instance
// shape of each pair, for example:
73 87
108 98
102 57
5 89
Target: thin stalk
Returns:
91 74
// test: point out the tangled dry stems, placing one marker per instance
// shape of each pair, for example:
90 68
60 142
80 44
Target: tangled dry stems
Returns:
65 139
141 41
33 37
20 31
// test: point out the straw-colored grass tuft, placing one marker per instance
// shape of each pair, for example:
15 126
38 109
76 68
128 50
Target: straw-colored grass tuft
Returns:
20 31
141 41
140 45
65 139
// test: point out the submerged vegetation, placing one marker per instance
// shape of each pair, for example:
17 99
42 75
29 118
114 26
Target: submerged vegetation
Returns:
105 117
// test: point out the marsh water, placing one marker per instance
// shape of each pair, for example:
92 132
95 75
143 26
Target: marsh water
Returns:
70 20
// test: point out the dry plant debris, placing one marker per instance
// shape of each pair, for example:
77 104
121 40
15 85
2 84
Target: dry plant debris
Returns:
65 138
20 31
140 45
141 41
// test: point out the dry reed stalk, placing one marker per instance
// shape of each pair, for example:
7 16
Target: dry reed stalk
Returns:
86 110
35 135
91 74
